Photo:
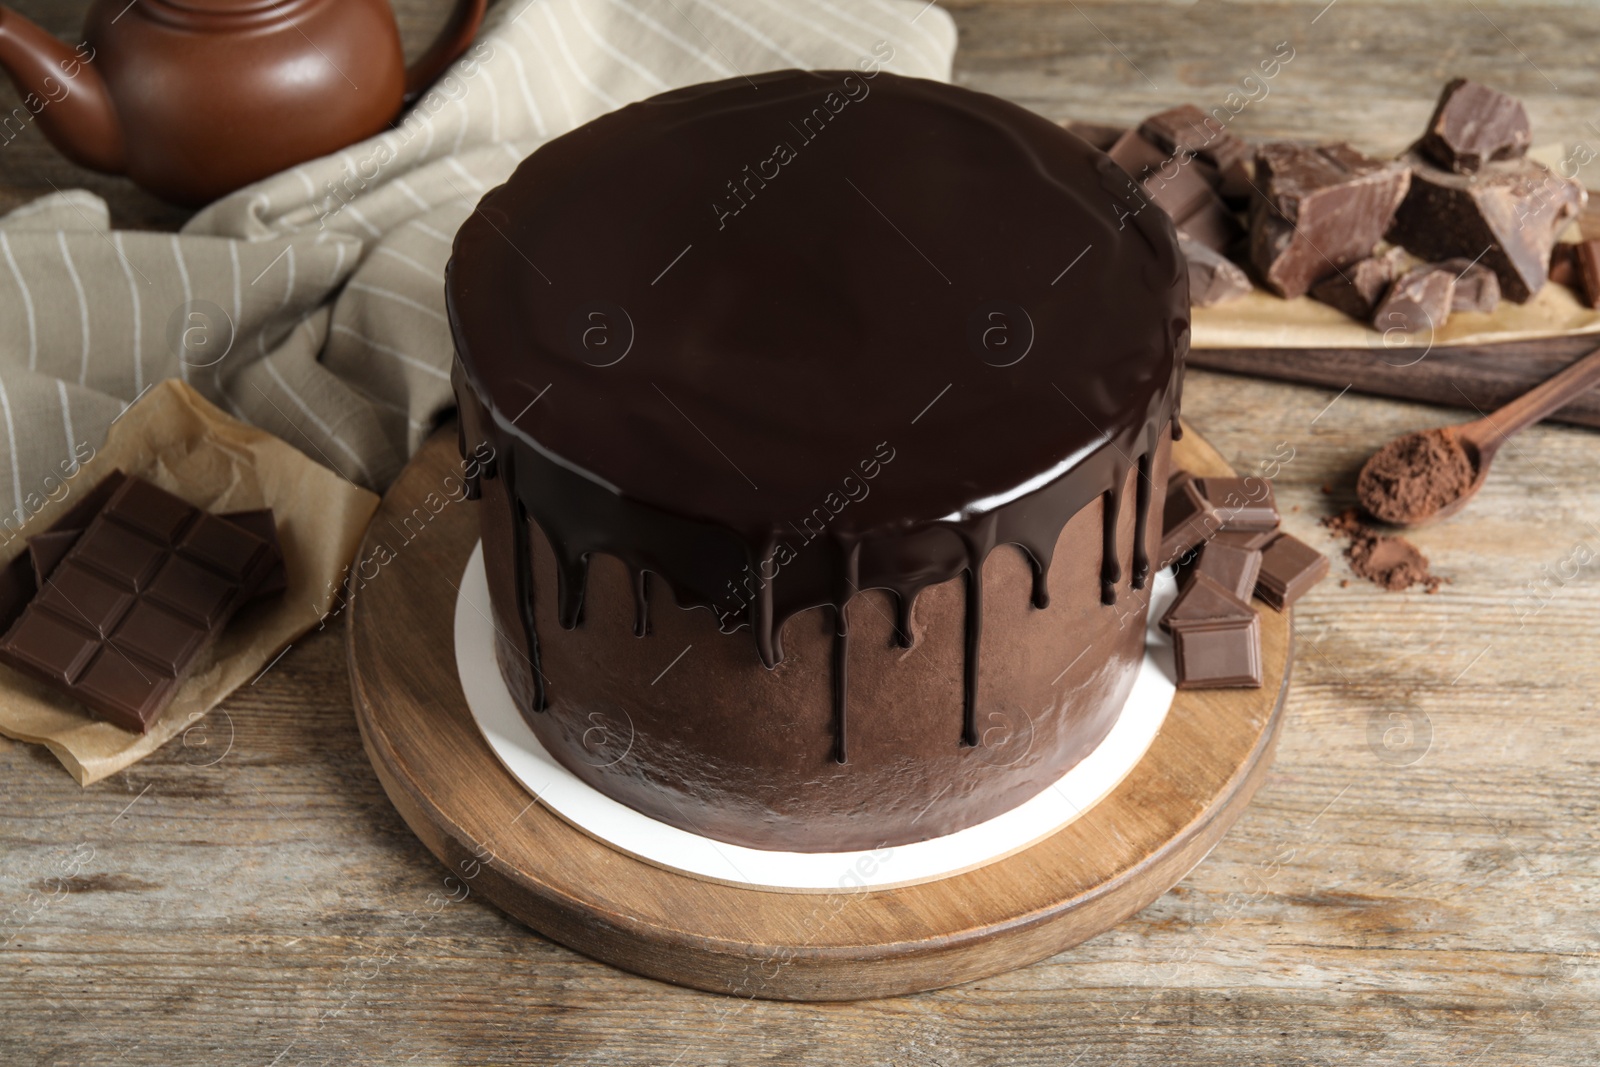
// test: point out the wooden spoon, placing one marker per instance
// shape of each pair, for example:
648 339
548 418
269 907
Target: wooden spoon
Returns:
1476 441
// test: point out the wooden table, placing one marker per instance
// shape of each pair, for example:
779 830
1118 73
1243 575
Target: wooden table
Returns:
1414 884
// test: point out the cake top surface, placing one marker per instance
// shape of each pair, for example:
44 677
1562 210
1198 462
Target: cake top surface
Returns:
733 301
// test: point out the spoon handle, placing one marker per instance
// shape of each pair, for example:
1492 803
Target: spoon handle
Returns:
1548 396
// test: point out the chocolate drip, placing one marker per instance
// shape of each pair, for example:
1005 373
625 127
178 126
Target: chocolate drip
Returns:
641 603
1141 519
1110 568
779 370
523 546
841 678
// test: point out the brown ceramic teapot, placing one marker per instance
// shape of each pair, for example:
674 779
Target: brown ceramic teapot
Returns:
194 98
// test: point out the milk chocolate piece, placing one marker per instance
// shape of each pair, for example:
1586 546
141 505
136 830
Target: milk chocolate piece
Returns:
1586 263
1473 125
1236 184
1212 224
140 594
1233 568
1219 654
1203 599
1356 289
1421 300
1186 129
1247 539
1319 208
1563 268
1506 216
1477 287
1289 567
1213 277
1189 520
1241 503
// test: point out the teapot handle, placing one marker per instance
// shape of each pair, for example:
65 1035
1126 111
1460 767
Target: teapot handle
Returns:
446 48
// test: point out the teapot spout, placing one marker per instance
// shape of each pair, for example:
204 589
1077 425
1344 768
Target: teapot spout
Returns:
62 92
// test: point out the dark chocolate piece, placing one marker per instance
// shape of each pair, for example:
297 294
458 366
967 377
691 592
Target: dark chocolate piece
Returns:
1356 289
1188 130
1477 287
1096 133
1241 503
1474 124
1204 599
1213 277
1421 300
1319 209
1233 568
1221 654
1236 184
1563 268
1507 217
262 523
48 549
122 617
1289 567
1183 189
1188 520
1586 261
1248 539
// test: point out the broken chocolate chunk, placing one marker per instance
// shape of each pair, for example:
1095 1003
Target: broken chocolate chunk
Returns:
1318 208
1204 599
1188 520
1188 130
1506 216
1564 264
1477 288
1421 300
1230 566
1213 278
1586 263
1356 289
1473 125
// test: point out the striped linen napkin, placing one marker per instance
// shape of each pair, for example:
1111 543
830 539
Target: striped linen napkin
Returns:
311 304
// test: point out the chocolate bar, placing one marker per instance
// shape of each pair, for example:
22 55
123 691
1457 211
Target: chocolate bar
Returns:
1506 216
139 595
1473 125
1241 503
1477 287
1419 301
1213 277
1356 289
1319 208
1289 567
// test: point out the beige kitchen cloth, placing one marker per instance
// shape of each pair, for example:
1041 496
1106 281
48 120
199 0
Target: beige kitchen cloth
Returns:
311 304
176 439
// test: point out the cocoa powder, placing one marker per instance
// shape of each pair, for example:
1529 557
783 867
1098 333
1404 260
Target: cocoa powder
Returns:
1412 477
1385 560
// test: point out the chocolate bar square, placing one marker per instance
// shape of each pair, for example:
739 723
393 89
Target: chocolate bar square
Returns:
1221 654
1289 568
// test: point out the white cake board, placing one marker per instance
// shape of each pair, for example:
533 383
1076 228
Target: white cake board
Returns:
518 748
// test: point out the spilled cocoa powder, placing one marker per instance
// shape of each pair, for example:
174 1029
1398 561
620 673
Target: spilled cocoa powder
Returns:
1386 560
1412 477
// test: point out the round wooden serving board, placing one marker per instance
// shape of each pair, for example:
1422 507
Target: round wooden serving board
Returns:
1206 763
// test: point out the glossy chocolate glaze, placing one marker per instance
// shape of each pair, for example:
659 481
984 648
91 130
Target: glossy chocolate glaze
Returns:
814 287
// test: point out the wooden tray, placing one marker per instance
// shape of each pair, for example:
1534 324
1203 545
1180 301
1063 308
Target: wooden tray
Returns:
500 844
1458 376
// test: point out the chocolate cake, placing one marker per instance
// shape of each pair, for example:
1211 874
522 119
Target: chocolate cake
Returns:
826 412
